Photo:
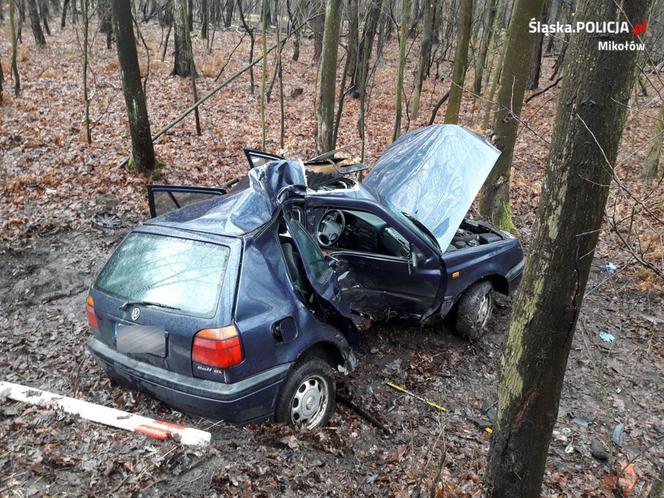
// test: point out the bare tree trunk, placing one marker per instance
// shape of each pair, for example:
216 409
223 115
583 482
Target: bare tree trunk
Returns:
359 82
495 196
12 29
264 15
352 12
205 20
282 109
425 55
327 76
536 61
230 5
252 40
105 24
651 166
589 123
460 62
35 23
184 58
2 81
21 19
318 27
293 17
43 14
137 113
63 18
487 38
403 40
86 98
414 16
362 73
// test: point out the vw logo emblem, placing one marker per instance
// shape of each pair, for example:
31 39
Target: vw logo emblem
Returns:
135 314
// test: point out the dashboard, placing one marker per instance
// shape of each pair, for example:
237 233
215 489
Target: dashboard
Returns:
366 232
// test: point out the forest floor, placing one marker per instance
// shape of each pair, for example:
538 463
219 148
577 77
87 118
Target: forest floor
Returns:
53 183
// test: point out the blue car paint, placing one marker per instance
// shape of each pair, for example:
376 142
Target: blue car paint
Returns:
258 295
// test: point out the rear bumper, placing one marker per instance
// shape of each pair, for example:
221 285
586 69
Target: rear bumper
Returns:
514 275
249 400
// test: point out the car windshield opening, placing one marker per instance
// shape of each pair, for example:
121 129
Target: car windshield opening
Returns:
167 272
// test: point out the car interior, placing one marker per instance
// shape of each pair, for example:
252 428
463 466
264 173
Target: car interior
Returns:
351 230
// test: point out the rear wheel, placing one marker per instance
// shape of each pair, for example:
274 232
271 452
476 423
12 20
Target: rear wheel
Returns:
307 397
474 311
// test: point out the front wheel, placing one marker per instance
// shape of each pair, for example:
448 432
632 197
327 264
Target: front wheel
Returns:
308 395
474 311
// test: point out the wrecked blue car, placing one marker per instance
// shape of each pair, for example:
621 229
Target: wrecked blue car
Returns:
242 305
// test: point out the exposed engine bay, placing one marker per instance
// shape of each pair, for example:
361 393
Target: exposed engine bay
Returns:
473 233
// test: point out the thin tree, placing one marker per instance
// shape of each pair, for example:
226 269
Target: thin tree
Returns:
86 50
228 19
35 23
403 39
137 113
460 62
536 61
318 28
487 40
43 14
264 18
252 42
425 55
184 57
2 79
205 20
327 76
362 72
652 162
495 200
352 13
589 122
12 28
105 24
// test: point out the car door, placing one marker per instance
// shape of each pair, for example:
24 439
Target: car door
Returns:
165 198
378 284
259 158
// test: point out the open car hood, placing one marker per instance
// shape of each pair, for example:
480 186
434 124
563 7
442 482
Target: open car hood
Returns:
433 174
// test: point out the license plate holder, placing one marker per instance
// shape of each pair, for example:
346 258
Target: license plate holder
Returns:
140 339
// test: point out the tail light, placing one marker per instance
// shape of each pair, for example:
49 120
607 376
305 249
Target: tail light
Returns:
217 347
92 316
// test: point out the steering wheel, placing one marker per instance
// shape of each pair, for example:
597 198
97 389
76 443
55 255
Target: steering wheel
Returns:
330 227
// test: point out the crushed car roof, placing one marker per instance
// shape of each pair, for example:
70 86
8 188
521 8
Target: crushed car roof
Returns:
433 174
243 210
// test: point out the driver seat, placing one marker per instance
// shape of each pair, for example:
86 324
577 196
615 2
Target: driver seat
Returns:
295 269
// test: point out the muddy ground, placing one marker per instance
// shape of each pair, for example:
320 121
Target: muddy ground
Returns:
43 452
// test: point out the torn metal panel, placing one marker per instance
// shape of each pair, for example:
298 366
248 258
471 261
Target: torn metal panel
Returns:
243 210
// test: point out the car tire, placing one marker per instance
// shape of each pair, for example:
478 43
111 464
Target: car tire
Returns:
474 310
308 395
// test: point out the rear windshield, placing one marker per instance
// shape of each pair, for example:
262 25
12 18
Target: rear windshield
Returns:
167 271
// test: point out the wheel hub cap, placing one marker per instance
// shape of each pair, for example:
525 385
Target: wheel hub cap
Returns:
310 401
